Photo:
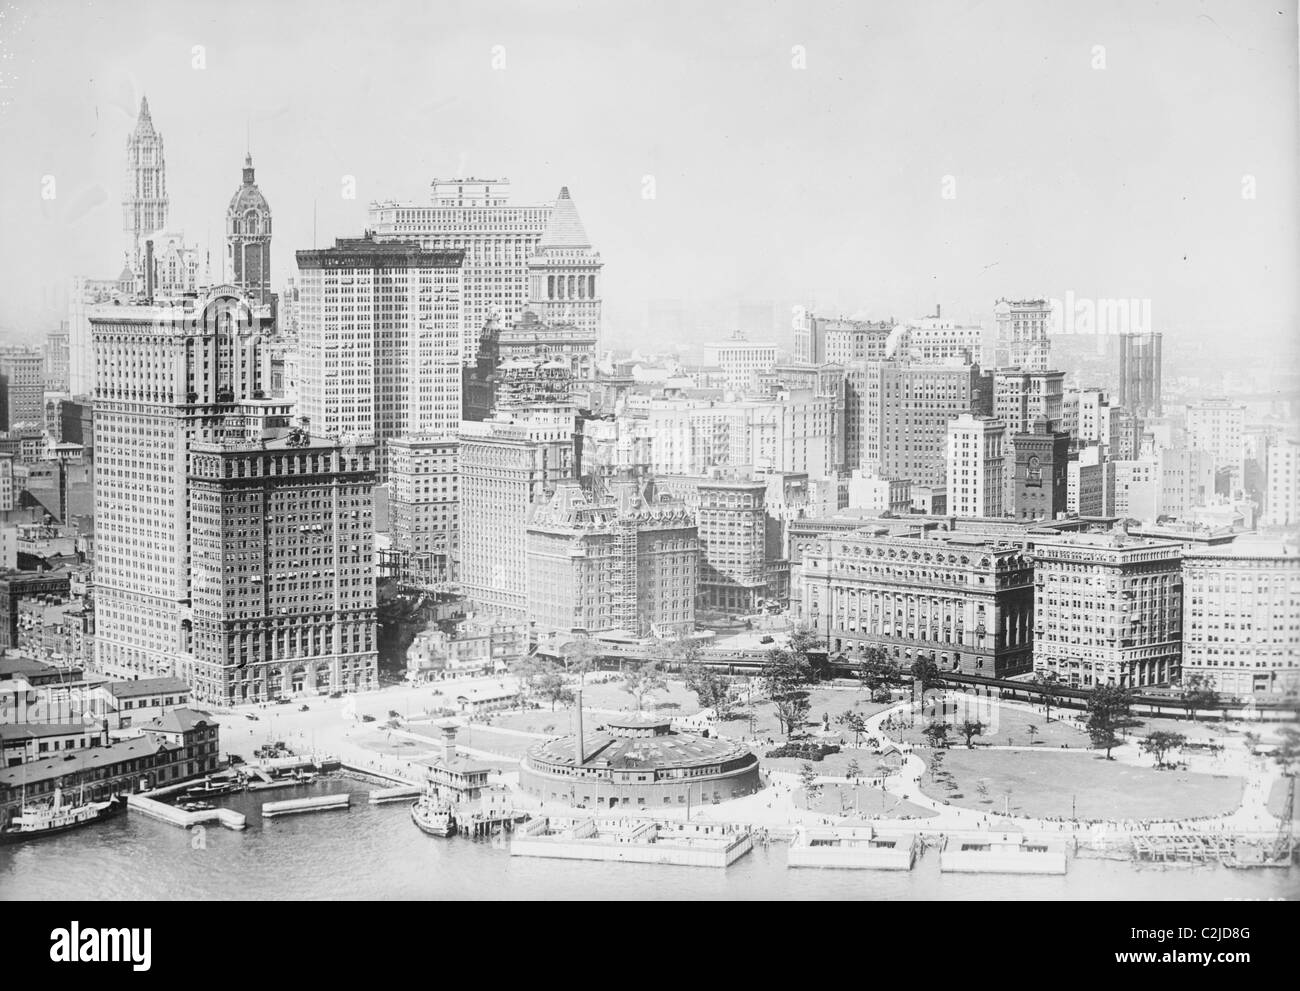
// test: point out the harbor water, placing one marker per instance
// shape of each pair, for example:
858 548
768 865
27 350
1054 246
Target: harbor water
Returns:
375 852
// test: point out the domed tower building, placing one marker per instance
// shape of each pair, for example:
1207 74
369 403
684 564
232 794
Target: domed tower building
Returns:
248 238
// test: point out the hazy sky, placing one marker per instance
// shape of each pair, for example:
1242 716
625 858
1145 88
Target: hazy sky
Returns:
772 182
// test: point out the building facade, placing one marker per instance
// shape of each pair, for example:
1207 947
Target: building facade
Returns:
1040 475
144 205
1242 604
965 603
424 508
1023 326
1140 364
1108 610
248 238
732 525
564 281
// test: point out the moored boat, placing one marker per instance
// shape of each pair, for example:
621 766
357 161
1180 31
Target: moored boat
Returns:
433 816
37 822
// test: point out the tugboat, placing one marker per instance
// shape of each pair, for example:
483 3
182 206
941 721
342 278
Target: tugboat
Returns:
37 822
433 816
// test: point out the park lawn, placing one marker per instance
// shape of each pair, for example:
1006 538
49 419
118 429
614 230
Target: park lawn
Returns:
864 801
1045 784
610 694
1277 801
1007 726
825 701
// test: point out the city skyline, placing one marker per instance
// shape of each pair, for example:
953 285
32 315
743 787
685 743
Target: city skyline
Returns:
723 120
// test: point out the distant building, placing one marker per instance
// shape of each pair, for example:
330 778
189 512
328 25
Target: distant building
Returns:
248 238
144 207
741 360
977 466
19 585
1140 372
1242 603
1108 610
130 704
1217 426
818 340
1282 496
1023 327
22 389
564 282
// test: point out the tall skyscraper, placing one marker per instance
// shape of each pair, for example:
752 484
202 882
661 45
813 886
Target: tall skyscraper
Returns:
379 330
1022 334
166 377
1140 373
475 217
144 205
424 508
564 283
231 550
248 238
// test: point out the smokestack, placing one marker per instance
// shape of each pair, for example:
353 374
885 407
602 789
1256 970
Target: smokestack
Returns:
148 271
448 745
578 743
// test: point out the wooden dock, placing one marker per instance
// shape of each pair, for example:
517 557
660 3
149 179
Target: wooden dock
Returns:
1186 848
383 795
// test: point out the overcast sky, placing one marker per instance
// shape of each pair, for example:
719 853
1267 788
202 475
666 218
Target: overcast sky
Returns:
772 182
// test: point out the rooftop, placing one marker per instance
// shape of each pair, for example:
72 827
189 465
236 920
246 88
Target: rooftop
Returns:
146 686
605 750
181 720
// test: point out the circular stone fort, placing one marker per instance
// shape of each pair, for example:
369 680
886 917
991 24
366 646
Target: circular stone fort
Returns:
638 762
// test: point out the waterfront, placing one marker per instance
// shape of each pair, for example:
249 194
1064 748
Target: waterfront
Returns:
374 852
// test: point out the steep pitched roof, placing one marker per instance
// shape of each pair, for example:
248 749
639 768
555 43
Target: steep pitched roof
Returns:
564 229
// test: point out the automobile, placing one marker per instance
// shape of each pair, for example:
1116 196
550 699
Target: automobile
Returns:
367 719
251 716
304 707
282 701
765 639
336 695
234 759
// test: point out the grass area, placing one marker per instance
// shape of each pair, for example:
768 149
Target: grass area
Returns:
1005 725
845 800
1277 801
1045 784
825 701
599 693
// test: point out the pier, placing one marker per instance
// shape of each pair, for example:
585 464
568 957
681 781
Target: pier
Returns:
321 803
638 841
1002 853
174 816
382 795
856 847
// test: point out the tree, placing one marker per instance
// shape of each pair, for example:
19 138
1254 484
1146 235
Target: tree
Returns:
937 733
1287 753
710 687
1049 687
1199 693
925 673
811 650
1032 730
552 685
970 729
580 657
1109 711
642 678
853 771
527 670
855 723
787 674
808 777
1160 743
876 669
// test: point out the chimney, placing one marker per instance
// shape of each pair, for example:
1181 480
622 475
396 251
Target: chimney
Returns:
578 754
448 745
148 271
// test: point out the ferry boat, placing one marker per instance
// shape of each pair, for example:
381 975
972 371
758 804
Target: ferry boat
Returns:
433 816
37 822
